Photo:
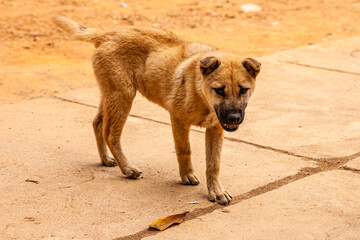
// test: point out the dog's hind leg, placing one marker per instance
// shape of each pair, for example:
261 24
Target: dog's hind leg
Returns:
183 152
116 108
101 145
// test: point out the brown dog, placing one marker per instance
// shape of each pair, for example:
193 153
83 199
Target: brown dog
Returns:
194 82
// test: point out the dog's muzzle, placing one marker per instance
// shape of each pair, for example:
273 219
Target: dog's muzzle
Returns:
230 120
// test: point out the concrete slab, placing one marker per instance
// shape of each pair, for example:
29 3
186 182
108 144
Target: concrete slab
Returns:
306 111
355 164
68 194
322 206
342 55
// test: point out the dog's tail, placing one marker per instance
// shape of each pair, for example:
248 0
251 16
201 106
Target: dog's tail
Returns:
80 32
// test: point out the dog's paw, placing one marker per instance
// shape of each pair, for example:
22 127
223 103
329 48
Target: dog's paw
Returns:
222 197
189 179
109 162
132 172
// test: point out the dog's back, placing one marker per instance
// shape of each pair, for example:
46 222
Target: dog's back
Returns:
132 52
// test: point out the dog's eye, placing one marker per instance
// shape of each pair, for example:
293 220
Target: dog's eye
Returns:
243 90
220 91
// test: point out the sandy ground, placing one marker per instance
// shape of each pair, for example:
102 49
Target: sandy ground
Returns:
38 59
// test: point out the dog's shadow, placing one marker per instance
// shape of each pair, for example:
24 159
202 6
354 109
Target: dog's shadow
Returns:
158 182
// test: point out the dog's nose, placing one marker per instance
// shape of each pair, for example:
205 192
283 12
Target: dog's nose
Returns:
234 117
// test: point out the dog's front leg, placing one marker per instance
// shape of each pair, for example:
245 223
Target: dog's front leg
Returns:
214 139
183 152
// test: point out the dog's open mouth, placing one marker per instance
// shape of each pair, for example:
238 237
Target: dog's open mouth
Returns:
229 127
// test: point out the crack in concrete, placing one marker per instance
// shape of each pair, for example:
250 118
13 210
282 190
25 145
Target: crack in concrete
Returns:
321 68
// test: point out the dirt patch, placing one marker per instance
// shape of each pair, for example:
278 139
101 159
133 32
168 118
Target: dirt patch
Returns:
38 59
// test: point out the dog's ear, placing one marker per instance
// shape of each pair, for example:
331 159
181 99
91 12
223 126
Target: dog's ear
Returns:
208 65
252 66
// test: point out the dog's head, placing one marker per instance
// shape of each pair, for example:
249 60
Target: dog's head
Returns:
228 83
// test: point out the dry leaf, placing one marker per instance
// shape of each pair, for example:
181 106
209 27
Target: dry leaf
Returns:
164 223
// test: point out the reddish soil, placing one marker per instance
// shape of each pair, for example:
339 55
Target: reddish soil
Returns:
38 59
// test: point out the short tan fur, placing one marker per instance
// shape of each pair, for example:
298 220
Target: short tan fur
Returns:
196 83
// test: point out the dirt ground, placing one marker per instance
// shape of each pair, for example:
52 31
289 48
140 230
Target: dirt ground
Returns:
38 59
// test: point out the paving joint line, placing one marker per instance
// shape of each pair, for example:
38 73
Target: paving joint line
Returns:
336 161
72 101
131 115
354 170
305 158
321 68
301 174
